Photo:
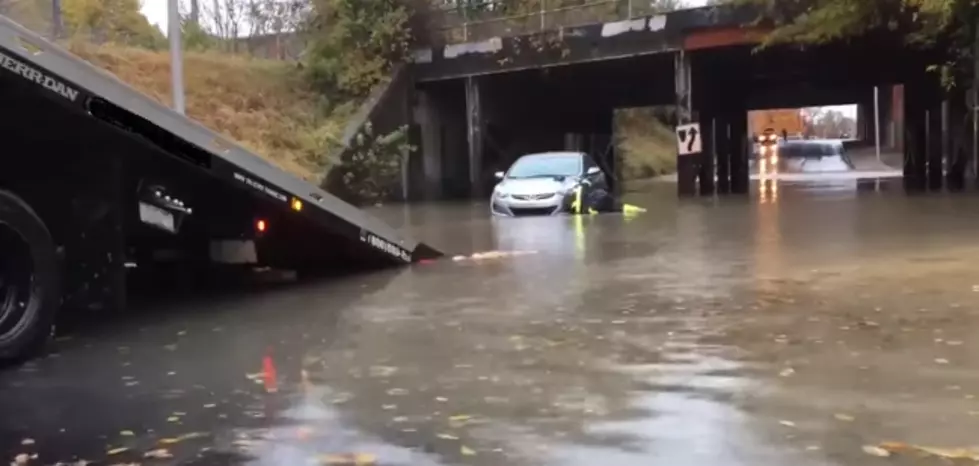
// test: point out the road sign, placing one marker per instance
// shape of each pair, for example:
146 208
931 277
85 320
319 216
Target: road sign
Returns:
688 139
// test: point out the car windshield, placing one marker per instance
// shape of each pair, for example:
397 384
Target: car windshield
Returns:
810 150
546 165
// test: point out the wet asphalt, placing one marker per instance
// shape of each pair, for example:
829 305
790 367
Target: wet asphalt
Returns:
801 325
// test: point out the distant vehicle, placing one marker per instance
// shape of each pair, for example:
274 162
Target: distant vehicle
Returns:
545 183
767 144
812 149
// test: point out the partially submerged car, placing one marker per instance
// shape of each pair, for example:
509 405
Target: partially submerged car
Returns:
545 183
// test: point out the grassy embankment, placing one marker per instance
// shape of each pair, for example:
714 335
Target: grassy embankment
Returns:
646 145
262 104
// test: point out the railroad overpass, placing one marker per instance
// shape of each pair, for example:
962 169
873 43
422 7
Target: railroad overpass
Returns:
477 100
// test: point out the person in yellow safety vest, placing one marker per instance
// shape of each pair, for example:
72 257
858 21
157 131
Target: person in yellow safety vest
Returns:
599 200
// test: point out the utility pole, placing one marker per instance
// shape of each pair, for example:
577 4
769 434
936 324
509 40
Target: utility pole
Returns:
57 25
176 56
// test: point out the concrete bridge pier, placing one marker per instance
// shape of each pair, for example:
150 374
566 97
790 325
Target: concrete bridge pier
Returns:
720 108
474 135
935 152
687 166
915 136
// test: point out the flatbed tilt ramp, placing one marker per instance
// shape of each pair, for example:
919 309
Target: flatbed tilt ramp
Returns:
35 65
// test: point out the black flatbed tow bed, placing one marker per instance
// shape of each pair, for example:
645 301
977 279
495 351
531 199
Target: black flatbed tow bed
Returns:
100 184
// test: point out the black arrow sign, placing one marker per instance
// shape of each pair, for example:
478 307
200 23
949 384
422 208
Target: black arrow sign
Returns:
692 140
688 137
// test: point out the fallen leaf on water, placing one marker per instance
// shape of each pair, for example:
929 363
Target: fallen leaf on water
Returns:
127 433
787 423
466 451
356 459
876 451
160 453
844 417
116 451
447 437
181 438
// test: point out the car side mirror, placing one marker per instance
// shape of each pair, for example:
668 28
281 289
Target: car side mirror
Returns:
592 171
498 175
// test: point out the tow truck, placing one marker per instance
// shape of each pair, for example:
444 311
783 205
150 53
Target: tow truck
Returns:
101 186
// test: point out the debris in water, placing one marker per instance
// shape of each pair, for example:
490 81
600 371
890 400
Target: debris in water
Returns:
466 451
21 459
349 459
447 437
968 453
876 451
181 438
941 361
788 371
127 433
787 423
492 255
844 417
116 451
159 453
27 441
382 371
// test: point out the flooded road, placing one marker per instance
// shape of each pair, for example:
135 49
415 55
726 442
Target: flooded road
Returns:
803 326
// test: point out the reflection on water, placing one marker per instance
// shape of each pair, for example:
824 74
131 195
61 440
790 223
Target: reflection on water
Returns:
661 339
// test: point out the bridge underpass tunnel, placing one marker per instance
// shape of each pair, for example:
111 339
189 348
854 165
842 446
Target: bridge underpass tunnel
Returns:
717 86
472 127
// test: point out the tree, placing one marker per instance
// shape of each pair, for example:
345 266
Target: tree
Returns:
118 21
354 44
948 25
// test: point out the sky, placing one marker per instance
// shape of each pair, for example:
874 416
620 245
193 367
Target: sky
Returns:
156 12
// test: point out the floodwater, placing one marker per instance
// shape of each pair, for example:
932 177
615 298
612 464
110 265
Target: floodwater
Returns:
802 325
